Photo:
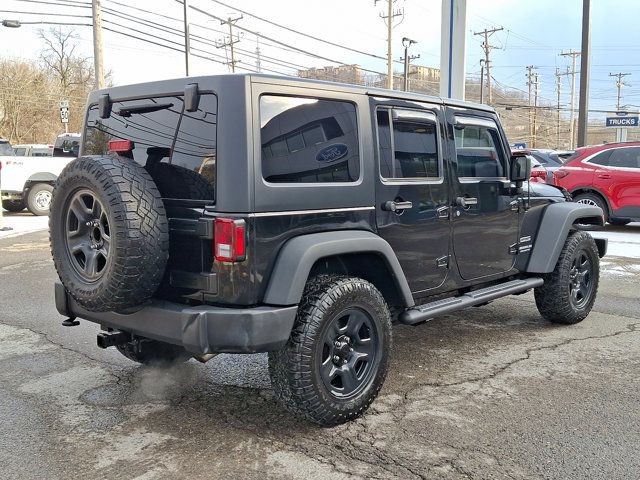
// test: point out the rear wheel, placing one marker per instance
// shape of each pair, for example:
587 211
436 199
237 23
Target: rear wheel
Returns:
39 198
568 293
336 359
593 200
13 205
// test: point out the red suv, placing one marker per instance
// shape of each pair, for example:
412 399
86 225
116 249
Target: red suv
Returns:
607 176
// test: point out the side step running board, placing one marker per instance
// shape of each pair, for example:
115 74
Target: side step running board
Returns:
422 313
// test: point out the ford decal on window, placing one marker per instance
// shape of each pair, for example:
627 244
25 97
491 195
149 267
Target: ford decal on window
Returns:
332 152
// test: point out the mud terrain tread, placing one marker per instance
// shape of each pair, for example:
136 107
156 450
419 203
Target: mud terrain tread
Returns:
140 232
552 298
291 367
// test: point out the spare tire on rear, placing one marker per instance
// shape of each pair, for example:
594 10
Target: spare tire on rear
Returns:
109 233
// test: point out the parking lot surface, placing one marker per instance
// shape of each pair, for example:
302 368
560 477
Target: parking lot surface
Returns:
491 392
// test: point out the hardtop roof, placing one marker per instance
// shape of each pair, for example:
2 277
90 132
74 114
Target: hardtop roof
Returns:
174 84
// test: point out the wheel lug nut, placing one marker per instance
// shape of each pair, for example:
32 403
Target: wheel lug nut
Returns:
336 358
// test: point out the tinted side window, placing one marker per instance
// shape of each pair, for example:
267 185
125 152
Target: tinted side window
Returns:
409 148
181 160
307 140
478 152
625 157
601 158
20 152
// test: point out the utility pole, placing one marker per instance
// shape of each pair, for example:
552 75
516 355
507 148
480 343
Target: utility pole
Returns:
535 109
482 80
406 43
583 108
258 66
619 85
558 91
621 133
487 50
187 46
530 75
223 43
98 66
388 18
572 127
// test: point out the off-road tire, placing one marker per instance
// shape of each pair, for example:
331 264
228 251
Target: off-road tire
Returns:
13 205
153 352
174 181
553 297
138 227
35 192
294 369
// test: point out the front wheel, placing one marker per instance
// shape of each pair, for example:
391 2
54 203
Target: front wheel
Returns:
568 293
336 359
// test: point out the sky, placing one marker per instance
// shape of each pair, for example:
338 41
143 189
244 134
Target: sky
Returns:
535 33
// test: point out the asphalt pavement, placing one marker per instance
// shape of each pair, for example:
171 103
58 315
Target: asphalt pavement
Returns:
491 392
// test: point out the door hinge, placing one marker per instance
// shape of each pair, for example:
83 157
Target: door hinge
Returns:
442 261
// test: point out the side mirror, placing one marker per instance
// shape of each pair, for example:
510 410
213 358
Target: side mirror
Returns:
191 97
520 169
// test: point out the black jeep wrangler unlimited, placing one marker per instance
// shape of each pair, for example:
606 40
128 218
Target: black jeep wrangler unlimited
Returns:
252 213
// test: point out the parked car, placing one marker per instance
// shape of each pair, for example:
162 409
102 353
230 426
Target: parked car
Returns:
543 163
27 181
33 150
606 176
255 213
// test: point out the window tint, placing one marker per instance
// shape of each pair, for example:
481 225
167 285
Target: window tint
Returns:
409 147
182 161
601 158
306 140
20 151
478 152
628 157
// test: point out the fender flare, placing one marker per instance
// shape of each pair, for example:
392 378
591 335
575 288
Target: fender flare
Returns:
557 220
298 255
41 177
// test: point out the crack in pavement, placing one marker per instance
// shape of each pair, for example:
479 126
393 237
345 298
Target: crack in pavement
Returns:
631 328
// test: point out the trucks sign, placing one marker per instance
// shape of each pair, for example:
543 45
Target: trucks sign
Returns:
622 122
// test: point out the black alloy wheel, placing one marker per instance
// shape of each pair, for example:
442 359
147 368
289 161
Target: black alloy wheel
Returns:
87 235
581 279
351 349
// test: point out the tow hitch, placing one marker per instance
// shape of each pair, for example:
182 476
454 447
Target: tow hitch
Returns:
113 338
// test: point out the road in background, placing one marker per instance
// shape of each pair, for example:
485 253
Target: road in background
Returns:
21 223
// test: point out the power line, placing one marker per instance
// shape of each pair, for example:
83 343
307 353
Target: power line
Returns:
487 50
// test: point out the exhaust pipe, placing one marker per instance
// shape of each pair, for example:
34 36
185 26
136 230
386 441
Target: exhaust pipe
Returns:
204 358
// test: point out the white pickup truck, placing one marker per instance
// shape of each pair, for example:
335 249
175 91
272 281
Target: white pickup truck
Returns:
28 181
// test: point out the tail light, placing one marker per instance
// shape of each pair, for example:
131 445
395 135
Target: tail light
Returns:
119 146
229 240
538 173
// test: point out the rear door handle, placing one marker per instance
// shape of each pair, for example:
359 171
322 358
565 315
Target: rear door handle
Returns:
393 206
604 175
466 201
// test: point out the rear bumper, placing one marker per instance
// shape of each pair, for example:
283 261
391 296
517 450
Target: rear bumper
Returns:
201 329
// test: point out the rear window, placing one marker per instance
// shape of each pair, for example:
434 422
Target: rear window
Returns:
177 148
308 140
